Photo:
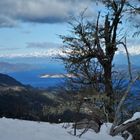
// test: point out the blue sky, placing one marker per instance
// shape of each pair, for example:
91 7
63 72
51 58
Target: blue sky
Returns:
31 27
19 39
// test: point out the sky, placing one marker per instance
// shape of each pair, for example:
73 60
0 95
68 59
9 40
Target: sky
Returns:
31 27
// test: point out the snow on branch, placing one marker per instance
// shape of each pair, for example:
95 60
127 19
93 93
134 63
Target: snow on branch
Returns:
127 124
135 117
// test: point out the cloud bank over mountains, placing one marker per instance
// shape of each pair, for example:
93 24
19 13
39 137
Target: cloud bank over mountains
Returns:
49 49
39 11
48 53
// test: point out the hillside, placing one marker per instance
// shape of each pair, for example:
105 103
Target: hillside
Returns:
6 80
20 101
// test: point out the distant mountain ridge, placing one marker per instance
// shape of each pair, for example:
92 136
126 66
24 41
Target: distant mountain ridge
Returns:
7 67
6 80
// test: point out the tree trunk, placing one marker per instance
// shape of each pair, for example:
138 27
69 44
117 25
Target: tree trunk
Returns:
109 90
75 127
108 80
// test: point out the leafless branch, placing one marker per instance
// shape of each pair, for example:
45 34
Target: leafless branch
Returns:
116 119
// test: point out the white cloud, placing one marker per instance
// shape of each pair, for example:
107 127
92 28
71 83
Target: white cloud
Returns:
40 11
44 51
37 53
133 50
57 76
133 46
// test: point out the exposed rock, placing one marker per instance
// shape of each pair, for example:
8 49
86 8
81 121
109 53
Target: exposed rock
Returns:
90 124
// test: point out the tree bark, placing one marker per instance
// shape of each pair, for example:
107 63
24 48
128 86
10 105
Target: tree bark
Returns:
123 127
108 79
109 90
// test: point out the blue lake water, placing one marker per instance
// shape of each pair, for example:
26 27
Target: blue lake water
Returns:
33 77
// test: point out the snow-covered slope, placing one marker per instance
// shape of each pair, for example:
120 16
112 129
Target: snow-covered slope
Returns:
11 129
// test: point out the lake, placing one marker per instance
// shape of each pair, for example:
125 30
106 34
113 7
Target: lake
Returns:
33 78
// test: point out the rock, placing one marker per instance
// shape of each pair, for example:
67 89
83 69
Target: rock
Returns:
90 124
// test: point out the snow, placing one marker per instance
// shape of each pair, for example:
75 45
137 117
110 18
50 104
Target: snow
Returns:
130 137
134 117
13 129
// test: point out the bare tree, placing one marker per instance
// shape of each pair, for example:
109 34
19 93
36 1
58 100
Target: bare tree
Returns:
95 42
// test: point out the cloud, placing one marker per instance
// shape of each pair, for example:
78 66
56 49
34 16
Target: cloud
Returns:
36 53
43 45
133 46
57 76
8 49
39 11
7 21
49 49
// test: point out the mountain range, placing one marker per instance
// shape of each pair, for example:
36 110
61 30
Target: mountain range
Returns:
6 67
